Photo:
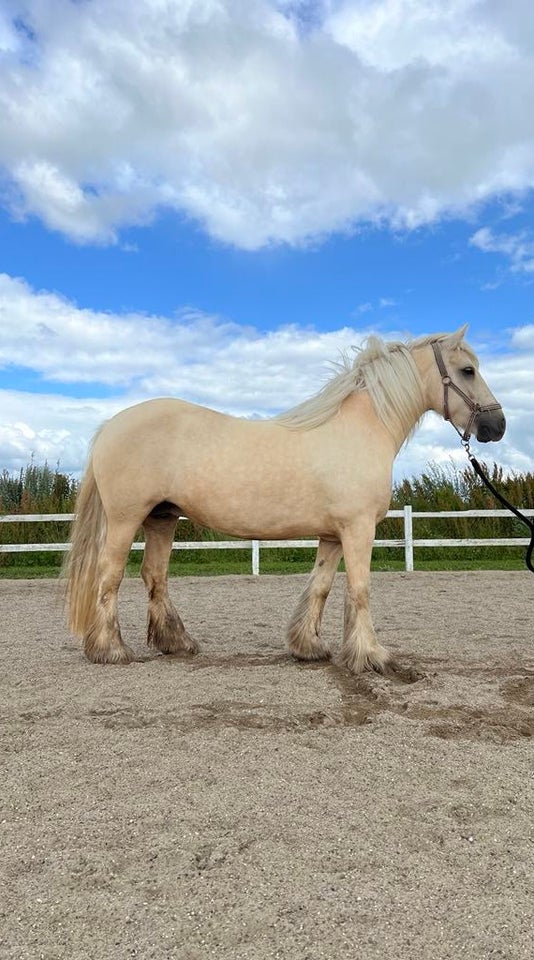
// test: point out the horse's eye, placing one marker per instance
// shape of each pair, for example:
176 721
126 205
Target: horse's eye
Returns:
469 371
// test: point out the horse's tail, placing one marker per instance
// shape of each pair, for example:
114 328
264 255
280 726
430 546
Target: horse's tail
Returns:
81 565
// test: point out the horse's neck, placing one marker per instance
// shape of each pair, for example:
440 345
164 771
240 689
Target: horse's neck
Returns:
358 414
359 409
426 364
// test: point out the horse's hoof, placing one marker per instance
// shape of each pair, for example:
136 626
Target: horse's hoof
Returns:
173 644
122 654
356 662
316 651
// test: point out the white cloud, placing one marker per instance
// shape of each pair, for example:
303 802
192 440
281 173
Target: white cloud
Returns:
66 344
392 34
517 247
523 337
49 427
200 357
232 113
203 359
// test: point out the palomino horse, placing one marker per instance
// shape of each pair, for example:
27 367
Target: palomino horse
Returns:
322 469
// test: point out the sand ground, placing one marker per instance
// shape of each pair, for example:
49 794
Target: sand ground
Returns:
241 805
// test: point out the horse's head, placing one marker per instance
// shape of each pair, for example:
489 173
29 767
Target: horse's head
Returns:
459 392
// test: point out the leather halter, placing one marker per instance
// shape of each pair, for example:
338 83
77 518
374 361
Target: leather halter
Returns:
449 384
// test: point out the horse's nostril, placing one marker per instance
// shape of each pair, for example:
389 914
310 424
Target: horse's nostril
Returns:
490 426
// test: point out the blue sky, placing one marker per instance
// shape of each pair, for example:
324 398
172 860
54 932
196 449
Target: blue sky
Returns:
430 278
211 199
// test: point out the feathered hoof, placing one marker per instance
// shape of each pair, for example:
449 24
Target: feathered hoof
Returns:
357 661
166 632
306 649
168 636
115 654
183 644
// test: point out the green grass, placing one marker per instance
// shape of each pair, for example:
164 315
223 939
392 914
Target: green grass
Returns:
207 563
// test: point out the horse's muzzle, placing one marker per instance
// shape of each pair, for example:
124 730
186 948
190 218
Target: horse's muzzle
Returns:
490 426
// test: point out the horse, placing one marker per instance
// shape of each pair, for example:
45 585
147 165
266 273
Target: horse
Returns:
322 469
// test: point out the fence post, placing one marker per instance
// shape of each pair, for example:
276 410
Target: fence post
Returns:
408 538
255 558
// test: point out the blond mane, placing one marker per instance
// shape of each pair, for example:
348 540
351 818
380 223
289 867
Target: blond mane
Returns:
386 370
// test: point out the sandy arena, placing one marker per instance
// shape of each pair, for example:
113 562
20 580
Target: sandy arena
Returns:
242 805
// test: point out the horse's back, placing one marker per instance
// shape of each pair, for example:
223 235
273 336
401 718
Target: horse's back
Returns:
163 413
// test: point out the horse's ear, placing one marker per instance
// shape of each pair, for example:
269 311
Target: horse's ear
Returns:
456 338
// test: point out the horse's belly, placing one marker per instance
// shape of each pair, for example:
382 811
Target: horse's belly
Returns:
259 528
257 519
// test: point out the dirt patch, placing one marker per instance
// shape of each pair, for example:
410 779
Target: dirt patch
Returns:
519 690
240 804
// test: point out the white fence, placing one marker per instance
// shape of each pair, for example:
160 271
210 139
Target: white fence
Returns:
408 543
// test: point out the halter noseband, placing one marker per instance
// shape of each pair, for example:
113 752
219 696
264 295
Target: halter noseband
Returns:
449 384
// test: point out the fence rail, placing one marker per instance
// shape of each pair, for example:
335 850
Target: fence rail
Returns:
407 542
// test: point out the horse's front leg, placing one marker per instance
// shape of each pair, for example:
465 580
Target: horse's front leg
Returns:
303 636
360 649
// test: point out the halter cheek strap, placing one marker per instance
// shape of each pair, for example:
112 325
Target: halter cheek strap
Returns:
449 384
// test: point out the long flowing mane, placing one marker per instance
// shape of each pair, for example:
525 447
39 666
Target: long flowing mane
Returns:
386 370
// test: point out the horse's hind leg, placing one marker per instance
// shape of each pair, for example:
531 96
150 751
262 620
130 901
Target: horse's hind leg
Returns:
103 642
166 631
303 636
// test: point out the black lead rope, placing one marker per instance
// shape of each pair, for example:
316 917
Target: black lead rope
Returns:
479 470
